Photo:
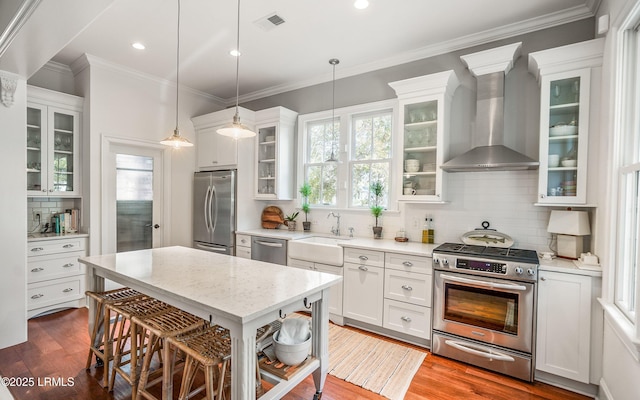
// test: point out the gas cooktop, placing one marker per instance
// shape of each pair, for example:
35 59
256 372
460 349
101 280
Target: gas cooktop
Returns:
497 253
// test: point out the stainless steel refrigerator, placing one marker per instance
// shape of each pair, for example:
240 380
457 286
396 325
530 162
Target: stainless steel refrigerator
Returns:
214 211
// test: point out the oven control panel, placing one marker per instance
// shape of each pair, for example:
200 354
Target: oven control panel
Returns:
485 266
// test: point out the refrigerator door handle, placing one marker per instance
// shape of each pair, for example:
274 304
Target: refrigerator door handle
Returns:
214 199
211 248
206 209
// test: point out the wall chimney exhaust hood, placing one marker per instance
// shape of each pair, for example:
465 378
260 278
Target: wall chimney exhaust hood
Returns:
490 154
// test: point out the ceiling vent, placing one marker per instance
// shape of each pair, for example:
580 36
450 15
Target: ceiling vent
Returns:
270 21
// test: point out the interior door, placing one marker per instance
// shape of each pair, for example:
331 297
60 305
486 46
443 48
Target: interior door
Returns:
133 198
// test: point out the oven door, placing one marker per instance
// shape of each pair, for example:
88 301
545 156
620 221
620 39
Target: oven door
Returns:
495 311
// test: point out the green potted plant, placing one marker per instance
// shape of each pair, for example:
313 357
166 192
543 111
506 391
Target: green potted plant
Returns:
290 220
305 191
376 208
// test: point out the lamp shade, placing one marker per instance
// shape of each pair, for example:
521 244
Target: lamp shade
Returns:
574 223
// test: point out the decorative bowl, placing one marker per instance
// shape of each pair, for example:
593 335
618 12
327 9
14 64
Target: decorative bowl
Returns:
563 130
569 163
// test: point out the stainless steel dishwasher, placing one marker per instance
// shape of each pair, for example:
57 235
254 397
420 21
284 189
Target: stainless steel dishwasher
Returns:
269 250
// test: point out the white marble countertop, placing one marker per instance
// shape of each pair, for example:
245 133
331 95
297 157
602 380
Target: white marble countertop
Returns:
239 288
276 233
32 237
567 267
390 245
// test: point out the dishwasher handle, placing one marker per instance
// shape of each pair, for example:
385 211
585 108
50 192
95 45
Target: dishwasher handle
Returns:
268 244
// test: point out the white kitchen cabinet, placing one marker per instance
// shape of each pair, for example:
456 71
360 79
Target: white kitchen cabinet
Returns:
274 166
53 143
423 129
569 78
214 151
407 318
335 293
55 278
364 286
243 246
563 345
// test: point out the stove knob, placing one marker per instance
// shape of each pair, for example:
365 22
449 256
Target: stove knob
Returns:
519 270
445 262
436 260
531 272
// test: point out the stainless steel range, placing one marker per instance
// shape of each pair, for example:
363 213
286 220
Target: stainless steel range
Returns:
484 301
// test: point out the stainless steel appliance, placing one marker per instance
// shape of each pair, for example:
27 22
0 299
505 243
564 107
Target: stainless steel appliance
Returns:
484 301
269 250
214 211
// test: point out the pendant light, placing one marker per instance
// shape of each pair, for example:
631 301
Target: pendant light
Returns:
332 158
236 129
176 140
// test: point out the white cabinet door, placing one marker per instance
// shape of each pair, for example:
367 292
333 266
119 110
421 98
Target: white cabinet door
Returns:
335 299
363 293
564 325
215 151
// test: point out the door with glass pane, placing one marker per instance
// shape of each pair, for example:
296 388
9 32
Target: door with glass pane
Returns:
134 197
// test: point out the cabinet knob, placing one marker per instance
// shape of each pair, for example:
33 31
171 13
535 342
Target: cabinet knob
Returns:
37 249
37 269
363 268
68 246
51 190
405 319
68 265
37 296
542 196
543 278
67 290
407 287
363 258
44 191
407 264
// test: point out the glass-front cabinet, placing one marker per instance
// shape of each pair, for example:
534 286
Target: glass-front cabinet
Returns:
424 104
565 75
53 142
274 154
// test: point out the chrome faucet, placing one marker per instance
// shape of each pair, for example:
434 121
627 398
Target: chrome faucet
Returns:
336 230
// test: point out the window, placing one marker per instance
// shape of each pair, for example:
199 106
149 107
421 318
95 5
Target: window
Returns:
627 169
365 134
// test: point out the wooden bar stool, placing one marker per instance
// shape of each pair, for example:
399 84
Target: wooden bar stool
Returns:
159 328
103 329
146 307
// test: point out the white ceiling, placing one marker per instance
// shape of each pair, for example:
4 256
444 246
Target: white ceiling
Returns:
296 53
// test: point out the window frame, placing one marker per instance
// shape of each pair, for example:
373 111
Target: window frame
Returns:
344 116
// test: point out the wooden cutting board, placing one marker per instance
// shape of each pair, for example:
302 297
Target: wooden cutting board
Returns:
272 217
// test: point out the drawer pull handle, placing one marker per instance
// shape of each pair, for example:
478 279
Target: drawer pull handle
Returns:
37 249
67 290
407 264
68 246
363 258
37 269
407 287
405 319
67 265
363 268
37 296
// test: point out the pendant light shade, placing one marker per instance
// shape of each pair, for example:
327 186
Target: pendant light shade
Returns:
176 140
236 129
332 158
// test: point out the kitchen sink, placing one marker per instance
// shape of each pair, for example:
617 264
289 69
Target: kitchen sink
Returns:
320 249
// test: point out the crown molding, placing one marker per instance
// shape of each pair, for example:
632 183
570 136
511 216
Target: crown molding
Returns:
504 32
57 67
15 24
87 60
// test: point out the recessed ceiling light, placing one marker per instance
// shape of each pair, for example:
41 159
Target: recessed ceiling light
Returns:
138 46
235 53
361 4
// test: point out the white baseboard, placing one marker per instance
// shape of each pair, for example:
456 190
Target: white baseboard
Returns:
604 393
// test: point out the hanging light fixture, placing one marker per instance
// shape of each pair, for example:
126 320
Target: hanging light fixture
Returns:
332 158
176 140
236 129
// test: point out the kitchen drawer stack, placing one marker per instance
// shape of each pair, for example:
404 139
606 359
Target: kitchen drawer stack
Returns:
243 246
55 278
390 290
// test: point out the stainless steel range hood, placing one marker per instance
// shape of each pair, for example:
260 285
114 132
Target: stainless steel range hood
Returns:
489 153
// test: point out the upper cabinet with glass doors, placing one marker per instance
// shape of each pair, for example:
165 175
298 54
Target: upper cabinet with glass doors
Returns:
53 143
569 78
274 154
423 145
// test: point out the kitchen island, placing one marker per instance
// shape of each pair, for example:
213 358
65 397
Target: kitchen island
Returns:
239 294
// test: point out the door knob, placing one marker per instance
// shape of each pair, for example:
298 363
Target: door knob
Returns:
156 226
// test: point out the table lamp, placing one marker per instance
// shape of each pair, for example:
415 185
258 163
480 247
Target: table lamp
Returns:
570 227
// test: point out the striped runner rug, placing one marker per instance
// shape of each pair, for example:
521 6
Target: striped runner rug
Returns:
379 366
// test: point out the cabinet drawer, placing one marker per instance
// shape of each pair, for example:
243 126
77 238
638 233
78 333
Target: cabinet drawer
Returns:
408 287
243 240
364 257
54 246
243 252
407 318
408 263
47 293
51 267
292 262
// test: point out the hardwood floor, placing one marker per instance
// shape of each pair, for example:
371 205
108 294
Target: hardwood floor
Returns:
58 345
